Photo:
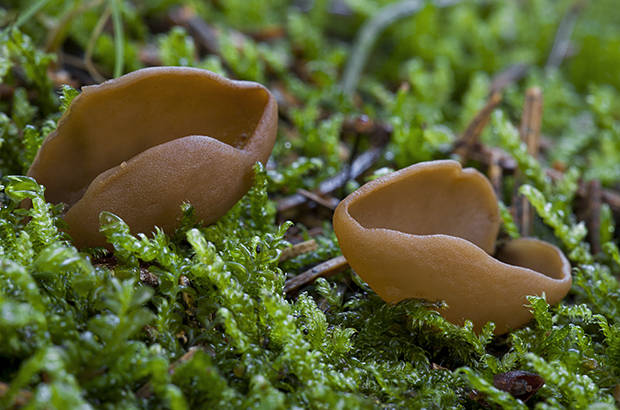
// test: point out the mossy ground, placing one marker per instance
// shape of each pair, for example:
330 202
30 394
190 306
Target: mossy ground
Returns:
199 319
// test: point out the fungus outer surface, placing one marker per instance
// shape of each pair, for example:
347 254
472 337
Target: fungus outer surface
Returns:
428 232
141 145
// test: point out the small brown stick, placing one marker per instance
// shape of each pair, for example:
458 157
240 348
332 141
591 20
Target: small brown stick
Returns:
325 269
471 136
360 125
530 133
298 249
149 55
21 398
269 33
359 166
510 75
592 213
76 68
532 119
523 214
6 91
329 203
612 199
608 196
481 153
495 172
379 133
205 34
145 391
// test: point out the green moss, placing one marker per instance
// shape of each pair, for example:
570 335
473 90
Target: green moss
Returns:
212 327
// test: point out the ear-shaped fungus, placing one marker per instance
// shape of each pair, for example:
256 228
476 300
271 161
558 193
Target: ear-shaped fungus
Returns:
141 145
428 231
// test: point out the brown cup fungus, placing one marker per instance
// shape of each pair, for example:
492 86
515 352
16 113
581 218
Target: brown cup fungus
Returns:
428 231
141 145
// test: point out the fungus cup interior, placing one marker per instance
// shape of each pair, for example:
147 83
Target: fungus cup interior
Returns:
443 199
529 254
141 110
455 203
428 231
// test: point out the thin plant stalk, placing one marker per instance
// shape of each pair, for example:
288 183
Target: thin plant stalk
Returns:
372 29
30 12
119 38
88 62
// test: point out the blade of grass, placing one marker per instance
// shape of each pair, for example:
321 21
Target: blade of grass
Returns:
30 12
371 30
88 62
119 38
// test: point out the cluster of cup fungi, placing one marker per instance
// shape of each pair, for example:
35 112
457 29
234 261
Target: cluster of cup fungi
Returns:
141 145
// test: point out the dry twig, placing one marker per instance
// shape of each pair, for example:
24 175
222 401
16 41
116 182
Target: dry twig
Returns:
482 154
612 199
508 76
532 119
361 164
471 136
591 213
327 268
206 35
329 203
530 133
298 249
495 172
379 133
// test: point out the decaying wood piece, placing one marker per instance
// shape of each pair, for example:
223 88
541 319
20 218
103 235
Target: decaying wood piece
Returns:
325 269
